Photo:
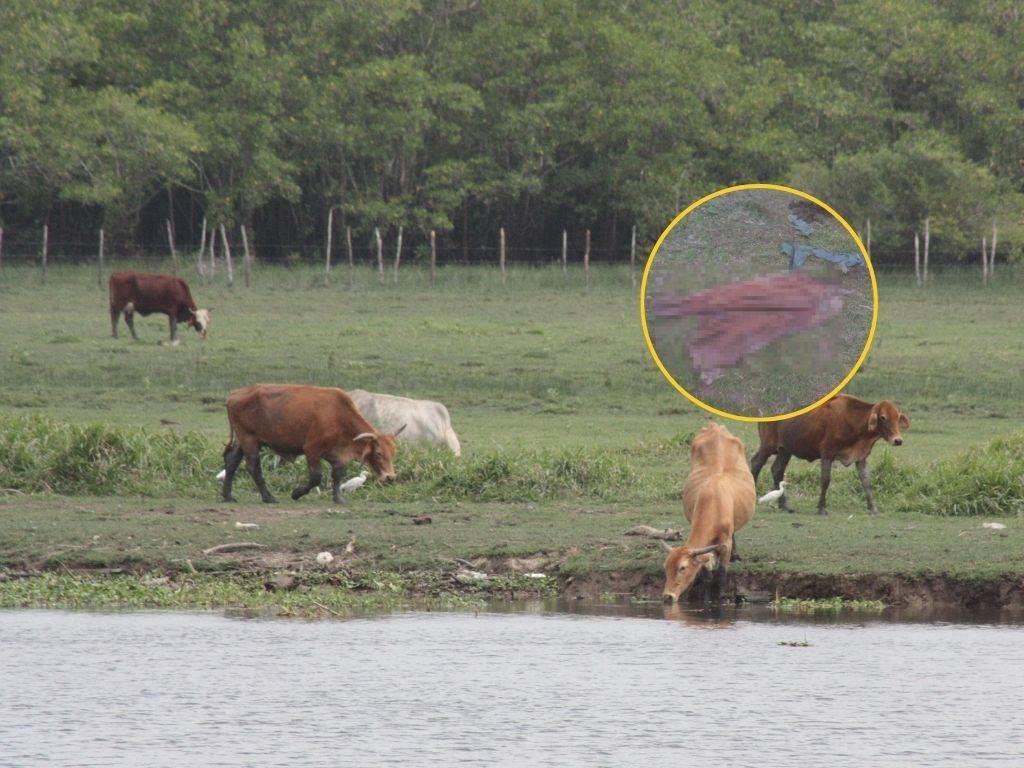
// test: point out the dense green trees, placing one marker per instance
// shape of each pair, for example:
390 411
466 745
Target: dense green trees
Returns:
467 115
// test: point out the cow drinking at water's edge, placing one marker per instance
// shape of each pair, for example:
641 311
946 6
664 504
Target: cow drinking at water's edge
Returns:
845 429
145 293
718 500
320 423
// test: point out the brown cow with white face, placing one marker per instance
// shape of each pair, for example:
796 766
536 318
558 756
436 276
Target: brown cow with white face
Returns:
320 423
145 293
718 500
844 429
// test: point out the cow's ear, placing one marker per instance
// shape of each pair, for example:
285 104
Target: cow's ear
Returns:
904 421
872 421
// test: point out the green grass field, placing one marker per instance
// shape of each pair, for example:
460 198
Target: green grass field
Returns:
570 435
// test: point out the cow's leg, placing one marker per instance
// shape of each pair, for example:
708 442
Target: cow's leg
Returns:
315 476
232 458
255 467
115 315
826 478
862 472
337 475
778 474
129 319
174 329
757 461
735 554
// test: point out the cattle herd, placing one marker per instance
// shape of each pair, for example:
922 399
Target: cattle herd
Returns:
328 424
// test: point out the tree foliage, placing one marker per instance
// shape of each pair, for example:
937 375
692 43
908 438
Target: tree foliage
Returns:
463 115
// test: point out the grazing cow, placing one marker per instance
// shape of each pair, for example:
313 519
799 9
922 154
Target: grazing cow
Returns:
718 500
321 423
426 421
844 428
145 293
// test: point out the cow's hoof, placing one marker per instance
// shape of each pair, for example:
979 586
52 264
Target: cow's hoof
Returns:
823 512
297 494
269 500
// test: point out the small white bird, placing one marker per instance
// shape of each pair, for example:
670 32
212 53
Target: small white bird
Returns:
773 495
325 558
222 474
993 526
355 483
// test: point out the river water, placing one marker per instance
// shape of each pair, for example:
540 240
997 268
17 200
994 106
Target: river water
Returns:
520 688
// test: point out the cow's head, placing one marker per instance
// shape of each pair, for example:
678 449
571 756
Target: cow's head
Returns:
377 451
200 320
887 421
682 566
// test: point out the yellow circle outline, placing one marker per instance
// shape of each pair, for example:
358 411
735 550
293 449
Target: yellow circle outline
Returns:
697 401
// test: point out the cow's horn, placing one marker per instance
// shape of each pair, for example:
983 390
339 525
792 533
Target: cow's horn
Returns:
364 436
665 544
705 550
399 430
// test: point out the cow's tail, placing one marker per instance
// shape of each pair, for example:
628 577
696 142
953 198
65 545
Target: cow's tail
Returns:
452 440
231 443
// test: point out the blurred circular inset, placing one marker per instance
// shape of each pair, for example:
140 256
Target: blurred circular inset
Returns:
759 302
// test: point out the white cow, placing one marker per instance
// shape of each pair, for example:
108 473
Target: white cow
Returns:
424 420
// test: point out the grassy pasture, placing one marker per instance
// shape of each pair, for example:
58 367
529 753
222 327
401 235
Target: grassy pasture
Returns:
542 377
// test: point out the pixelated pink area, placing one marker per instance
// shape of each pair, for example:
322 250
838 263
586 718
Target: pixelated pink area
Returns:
741 318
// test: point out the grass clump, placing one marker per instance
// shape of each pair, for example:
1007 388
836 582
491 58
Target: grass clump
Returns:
825 605
41 454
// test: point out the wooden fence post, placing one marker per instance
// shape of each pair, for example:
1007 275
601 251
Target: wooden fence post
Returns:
380 255
917 258
632 256
99 262
46 237
213 247
433 256
984 260
586 259
398 253
227 256
247 256
330 234
501 255
202 247
351 258
992 253
174 253
565 252
927 239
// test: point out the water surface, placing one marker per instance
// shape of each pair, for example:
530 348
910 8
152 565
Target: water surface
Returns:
163 689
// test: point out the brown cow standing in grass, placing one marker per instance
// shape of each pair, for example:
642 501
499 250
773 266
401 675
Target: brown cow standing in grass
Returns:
718 500
321 423
844 428
145 293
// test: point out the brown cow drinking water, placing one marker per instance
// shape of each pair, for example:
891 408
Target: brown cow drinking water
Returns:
321 423
145 293
844 428
718 500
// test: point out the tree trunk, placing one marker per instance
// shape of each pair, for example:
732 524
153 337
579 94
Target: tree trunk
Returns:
213 251
992 252
632 256
351 258
565 252
984 260
927 240
202 248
